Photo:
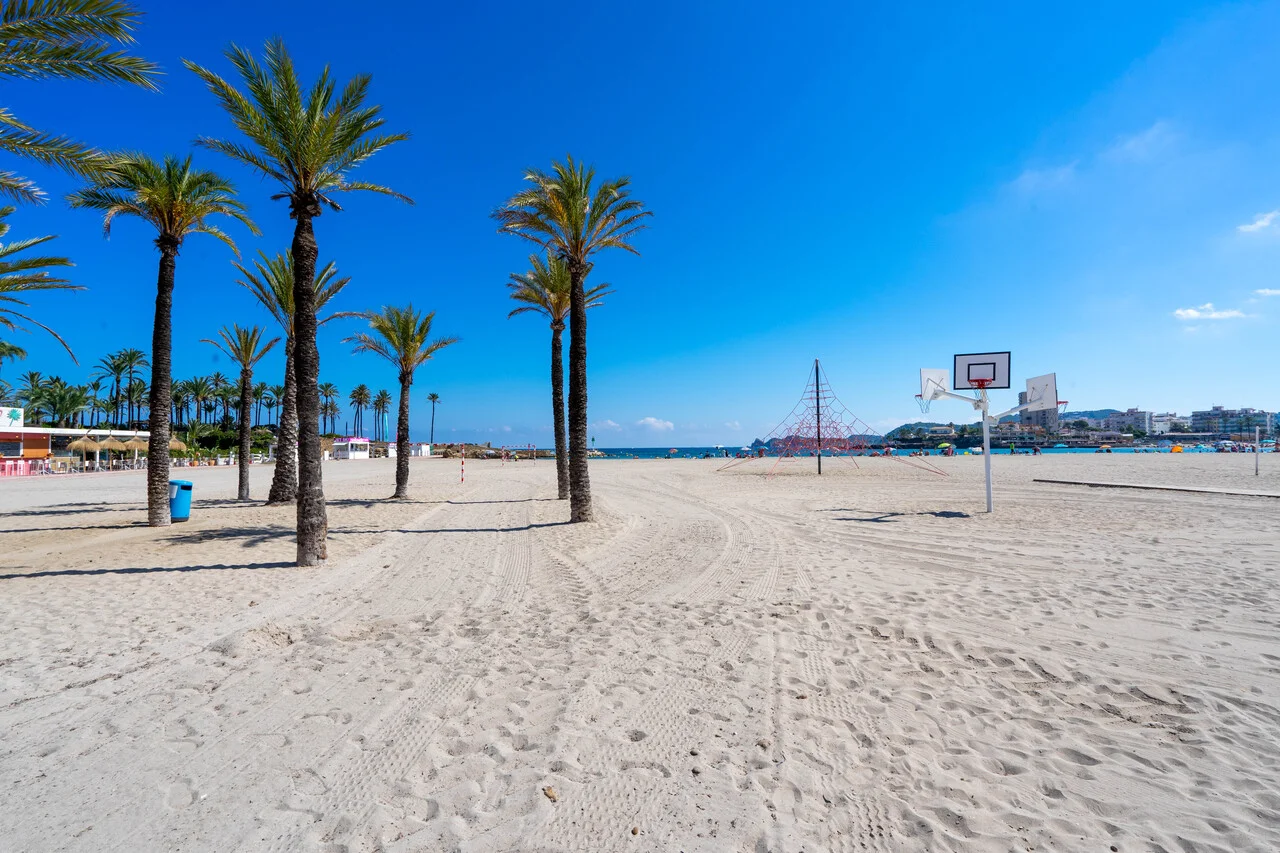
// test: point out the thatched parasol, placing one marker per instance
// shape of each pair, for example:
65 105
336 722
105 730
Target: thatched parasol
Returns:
135 443
112 443
84 444
175 444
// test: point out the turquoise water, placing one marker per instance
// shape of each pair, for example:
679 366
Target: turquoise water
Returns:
699 452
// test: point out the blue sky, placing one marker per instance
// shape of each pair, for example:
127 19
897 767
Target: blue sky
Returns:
1089 185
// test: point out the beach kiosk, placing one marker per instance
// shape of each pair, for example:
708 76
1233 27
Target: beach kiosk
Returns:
419 450
351 448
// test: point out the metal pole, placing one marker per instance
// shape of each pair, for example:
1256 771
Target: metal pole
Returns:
986 445
817 402
1257 448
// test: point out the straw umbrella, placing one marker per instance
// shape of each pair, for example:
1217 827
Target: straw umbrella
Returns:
135 444
82 446
111 443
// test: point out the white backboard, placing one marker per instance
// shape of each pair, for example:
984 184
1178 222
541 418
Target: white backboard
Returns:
1042 392
932 382
993 366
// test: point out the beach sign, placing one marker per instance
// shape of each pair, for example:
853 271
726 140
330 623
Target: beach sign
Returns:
11 418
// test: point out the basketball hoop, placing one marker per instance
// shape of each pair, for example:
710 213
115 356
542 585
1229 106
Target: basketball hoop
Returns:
1062 407
982 384
923 403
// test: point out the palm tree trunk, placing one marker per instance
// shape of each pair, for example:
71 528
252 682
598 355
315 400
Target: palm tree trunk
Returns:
161 387
284 483
432 439
246 404
557 411
402 440
313 524
579 477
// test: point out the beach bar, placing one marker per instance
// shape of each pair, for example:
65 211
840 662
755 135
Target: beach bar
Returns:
351 447
33 450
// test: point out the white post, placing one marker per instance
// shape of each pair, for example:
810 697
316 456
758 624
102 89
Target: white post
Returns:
986 446
1257 448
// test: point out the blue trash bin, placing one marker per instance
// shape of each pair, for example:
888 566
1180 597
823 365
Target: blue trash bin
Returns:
179 500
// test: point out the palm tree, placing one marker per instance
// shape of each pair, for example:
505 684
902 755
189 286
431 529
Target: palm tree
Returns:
545 290
271 282
381 404
402 337
329 395
246 348
309 147
433 398
62 39
259 398
329 413
25 275
563 214
267 400
111 367
201 390
360 397
177 201
10 352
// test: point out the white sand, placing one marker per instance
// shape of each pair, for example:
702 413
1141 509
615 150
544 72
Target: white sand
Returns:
723 662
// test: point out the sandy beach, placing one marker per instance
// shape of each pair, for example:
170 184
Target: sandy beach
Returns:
722 662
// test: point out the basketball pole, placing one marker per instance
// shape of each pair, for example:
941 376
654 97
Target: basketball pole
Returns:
1257 448
986 444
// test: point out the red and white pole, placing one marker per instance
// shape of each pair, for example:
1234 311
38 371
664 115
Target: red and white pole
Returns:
464 463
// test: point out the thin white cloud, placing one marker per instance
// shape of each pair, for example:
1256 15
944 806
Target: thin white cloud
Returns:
1141 146
1261 221
733 425
1267 291
1040 180
656 424
607 424
1207 312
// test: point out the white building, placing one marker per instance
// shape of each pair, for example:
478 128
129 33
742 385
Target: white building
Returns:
1166 422
351 448
1128 420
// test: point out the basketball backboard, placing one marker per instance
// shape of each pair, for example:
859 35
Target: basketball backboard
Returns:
991 368
933 382
1042 392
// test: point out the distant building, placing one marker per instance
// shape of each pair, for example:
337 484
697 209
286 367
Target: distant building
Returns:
1045 419
1169 422
942 431
1223 420
1129 420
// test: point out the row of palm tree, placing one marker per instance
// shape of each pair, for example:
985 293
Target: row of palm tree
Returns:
307 140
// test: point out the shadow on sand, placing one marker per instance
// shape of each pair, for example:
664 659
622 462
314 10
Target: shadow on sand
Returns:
61 573
889 517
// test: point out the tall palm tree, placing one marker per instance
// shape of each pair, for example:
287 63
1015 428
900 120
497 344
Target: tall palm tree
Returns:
360 397
25 275
403 337
112 367
246 348
329 414
259 399
62 39
308 146
545 290
567 217
329 395
177 201
201 391
381 404
133 360
433 398
267 400
271 283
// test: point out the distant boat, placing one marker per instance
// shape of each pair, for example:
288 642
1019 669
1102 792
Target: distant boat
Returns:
1056 446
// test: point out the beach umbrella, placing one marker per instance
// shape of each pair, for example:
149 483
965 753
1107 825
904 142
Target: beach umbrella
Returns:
84 444
112 443
175 444
135 443
945 444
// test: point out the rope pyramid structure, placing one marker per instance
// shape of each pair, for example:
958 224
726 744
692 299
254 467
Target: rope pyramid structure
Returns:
819 425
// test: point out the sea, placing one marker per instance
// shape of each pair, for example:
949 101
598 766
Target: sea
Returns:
721 452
